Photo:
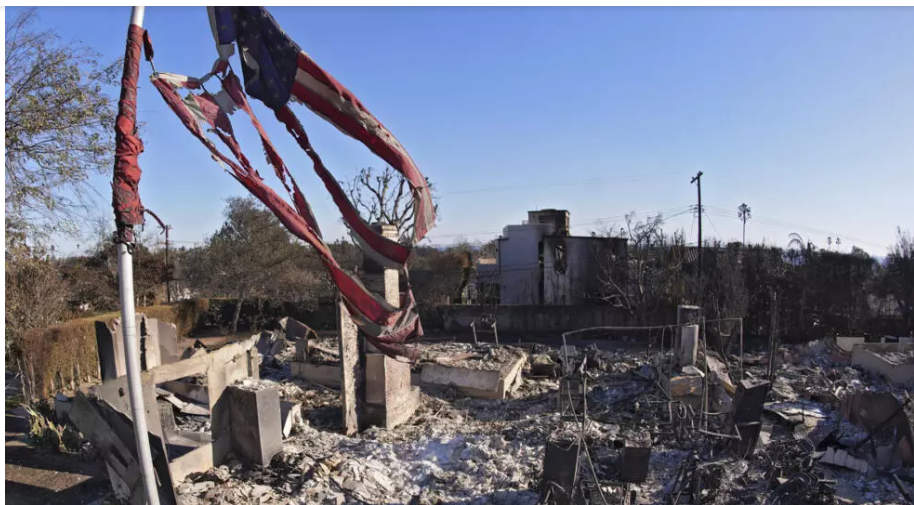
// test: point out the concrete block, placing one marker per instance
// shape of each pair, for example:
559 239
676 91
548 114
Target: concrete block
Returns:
256 423
687 351
385 378
394 413
390 398
62 405
150 353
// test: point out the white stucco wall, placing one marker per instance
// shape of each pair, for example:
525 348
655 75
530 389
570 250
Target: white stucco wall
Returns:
518 261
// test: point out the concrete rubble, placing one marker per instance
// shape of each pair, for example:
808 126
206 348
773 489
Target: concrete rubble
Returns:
599 421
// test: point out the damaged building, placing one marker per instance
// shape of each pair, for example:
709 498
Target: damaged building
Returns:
539 262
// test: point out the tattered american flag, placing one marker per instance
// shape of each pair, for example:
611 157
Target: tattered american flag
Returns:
276 70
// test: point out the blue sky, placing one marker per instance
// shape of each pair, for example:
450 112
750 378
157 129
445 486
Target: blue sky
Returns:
807 115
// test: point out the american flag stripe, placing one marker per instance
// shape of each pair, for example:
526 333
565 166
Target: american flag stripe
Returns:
386 326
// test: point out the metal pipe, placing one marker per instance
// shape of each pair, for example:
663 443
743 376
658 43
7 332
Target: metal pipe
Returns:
132 351
134 378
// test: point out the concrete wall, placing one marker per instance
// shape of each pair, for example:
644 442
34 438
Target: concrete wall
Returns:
531 319
578 280
518 260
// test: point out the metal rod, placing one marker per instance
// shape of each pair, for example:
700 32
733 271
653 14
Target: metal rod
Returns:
706 393
132 351
740 348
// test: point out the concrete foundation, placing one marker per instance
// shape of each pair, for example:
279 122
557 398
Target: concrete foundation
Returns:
490 384
870 358
256 423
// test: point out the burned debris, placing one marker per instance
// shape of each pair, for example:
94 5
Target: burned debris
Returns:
631 416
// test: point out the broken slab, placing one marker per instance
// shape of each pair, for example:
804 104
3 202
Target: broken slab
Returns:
491 384
256 423
290 413
893 361
270 344
882 412
847 344
295 330
840 457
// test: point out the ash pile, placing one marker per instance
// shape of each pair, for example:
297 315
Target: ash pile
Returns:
662 419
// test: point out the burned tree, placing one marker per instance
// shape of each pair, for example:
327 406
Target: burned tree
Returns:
385 197
650 274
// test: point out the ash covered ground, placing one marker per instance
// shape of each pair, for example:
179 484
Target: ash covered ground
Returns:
461 450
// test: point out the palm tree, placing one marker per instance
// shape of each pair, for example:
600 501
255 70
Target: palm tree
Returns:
744 213
796 241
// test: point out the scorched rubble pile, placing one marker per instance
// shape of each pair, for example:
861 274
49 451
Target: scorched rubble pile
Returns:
826 433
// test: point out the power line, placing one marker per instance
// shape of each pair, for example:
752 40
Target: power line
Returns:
791 226
600 220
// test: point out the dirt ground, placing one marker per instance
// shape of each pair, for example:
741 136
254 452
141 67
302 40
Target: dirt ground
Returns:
37 476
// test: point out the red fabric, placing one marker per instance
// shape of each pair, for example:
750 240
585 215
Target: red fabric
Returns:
128 209
396 326
424 215
390 249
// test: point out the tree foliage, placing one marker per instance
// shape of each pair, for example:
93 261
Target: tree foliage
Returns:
898 278
251 256
59 126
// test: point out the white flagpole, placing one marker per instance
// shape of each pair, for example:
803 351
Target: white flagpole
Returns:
132 352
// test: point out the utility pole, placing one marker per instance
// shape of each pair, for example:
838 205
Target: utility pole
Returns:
165 229
697 179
